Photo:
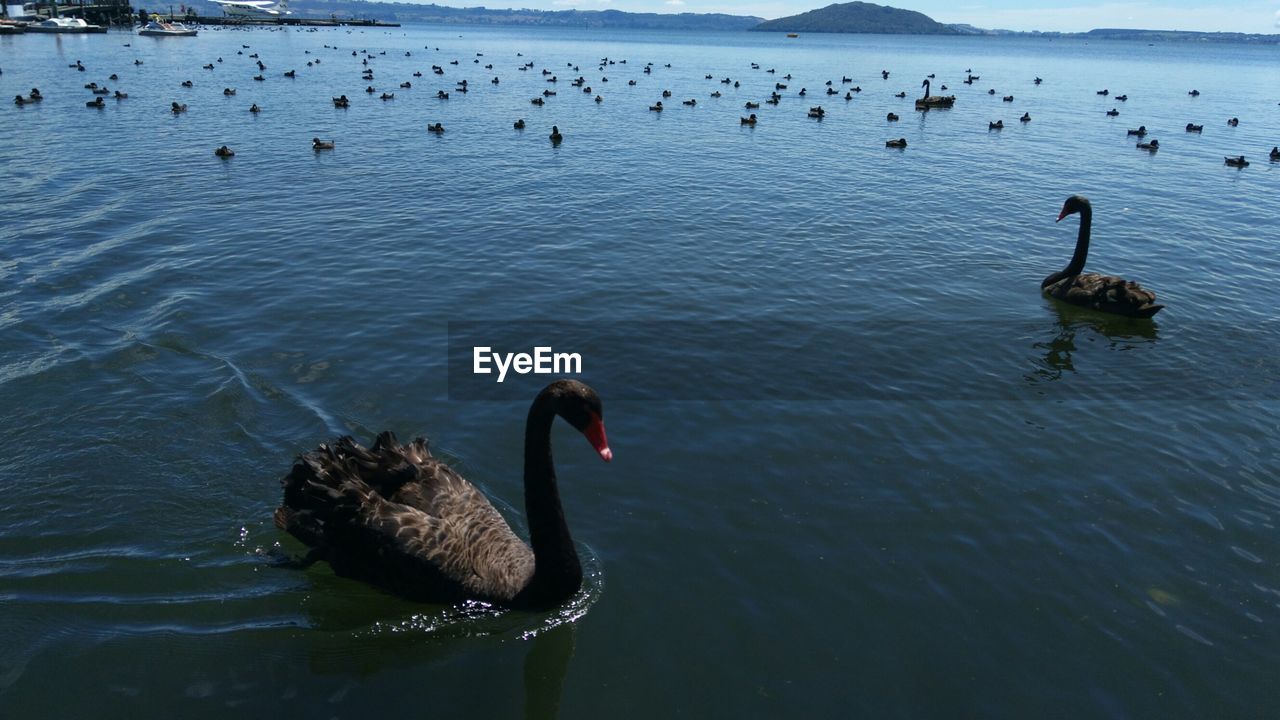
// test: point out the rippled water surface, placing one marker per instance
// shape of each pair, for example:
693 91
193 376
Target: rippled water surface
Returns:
862 466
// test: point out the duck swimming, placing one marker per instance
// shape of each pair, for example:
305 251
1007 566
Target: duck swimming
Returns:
224 152
318 144
899 143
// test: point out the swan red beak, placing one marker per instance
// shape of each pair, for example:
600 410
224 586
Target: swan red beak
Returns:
1061 215
597 438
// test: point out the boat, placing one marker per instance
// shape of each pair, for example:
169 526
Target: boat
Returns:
254 8
158 28
11 28
65 25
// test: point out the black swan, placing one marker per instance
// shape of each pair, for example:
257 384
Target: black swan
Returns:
933 101
394 515
1100 292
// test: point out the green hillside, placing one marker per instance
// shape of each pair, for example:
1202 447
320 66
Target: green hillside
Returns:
858 17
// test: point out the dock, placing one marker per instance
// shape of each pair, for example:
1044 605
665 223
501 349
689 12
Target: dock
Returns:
287 20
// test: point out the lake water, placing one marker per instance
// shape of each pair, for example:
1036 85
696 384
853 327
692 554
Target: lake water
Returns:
862 467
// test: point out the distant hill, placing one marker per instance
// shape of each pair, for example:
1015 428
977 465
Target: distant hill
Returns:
1150 36
412 12
858 17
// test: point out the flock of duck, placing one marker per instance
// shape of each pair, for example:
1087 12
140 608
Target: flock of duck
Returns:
394 515
927 101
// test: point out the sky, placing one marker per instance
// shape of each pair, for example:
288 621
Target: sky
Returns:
1251 16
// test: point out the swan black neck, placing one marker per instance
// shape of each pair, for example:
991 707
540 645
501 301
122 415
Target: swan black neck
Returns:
926 88
557 573
1076 266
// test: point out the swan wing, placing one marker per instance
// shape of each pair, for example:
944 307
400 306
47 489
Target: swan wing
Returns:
417 527
1106 293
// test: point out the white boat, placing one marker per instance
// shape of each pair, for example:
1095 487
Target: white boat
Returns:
157 28
65 25
254 8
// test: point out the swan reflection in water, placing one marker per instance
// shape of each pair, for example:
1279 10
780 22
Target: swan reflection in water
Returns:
1055 357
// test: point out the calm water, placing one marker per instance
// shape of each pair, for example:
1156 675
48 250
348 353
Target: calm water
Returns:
862 466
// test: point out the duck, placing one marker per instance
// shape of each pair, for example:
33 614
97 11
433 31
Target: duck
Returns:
519 124
255 109
891 117
187 84
817 112
95 103
19 100
1122 98
900 95
656 107
555 136
1038 80
370 89
751 120
537 101
1026 117
407 85
1275 153
291 74
997 125
224 152
1233 122
899 143
753 106
1104 92
177 108
1236 161
1008 98
228 91
437 128
318 144
1140 132
120 96
1193 93
259 78
1152 146
341 102
387 96
599 99
1113 112
691 102
1104 293
34 95
1194 128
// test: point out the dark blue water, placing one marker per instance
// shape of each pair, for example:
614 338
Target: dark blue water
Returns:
862 466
